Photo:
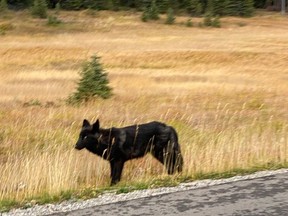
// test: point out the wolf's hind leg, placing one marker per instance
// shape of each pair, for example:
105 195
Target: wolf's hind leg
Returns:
116 171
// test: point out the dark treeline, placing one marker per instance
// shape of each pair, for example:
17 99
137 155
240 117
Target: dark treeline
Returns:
193 7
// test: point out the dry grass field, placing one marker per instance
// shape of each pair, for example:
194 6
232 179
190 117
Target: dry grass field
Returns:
225 90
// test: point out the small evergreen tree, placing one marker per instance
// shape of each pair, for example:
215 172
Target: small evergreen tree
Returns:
39 9
216 22
207 19
53 21
145 15
93 83
150 12
3 6
170 17
189 23
153 11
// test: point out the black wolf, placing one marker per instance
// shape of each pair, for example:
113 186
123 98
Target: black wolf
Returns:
118 145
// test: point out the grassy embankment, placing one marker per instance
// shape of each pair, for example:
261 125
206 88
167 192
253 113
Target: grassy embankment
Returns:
224 90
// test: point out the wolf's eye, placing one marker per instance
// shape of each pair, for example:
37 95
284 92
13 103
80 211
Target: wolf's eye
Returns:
85 137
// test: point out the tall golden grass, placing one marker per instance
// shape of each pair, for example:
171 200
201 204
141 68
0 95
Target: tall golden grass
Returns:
224 90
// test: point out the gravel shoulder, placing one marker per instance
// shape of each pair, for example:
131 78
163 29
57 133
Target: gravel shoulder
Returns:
109 198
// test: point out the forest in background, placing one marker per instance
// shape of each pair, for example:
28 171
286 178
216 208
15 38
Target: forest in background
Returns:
192 7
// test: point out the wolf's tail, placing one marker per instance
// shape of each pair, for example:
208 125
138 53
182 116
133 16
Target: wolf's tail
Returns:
174 157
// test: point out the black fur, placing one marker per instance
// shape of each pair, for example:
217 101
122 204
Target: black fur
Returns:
118 145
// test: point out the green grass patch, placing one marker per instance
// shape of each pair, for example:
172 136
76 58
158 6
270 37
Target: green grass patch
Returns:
7 204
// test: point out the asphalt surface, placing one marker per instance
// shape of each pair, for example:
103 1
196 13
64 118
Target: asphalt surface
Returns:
261 196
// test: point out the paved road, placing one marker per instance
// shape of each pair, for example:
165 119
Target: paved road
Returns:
262 196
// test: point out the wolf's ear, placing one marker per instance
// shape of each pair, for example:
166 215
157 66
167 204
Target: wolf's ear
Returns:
96 126
86 123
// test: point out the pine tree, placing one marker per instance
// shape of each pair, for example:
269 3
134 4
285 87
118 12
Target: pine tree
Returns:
189 23
191 6
210 7
93 83
194 7
207 19
248 8
199 9
170 17
39 9
163 6
218 7
226 9
234 8
145 15
216 22
153 11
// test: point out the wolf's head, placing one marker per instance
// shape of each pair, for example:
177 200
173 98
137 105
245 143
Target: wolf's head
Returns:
89 135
